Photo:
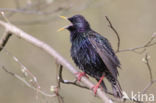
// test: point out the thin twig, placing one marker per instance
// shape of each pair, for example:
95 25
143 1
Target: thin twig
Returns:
60 98
148 86
27 83
24 69
57 89
4 17
147 44
115 31
149 67
146 60
68 82
4 39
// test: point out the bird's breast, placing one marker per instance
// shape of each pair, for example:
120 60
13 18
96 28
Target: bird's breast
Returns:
83 54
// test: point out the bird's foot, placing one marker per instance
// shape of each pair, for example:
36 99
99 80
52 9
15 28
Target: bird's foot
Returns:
80 75
94 88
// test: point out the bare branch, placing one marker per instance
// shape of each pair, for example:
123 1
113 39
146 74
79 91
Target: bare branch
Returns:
115 31
149 67
27 83
148 86
146 60
147 44
37 12
68 82
33 82
24 69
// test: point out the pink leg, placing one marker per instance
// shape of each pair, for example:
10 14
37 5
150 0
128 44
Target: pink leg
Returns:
80 75
97 85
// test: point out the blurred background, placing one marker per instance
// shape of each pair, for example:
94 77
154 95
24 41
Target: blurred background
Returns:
133 19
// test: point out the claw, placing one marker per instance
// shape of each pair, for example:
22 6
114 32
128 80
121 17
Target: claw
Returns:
80 75
94 88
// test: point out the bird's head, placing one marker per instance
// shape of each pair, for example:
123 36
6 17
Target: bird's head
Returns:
78 23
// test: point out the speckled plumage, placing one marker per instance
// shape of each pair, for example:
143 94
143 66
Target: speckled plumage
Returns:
93 54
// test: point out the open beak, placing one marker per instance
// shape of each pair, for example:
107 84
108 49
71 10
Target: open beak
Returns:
61 29
65 18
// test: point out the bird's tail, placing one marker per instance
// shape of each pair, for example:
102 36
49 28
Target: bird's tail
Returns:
117 89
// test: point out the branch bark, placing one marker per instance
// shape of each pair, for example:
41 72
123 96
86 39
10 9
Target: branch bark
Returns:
40 44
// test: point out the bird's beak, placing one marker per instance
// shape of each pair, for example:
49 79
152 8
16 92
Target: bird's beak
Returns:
61 29
65 18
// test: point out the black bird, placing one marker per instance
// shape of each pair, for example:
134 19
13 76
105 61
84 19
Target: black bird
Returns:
93 53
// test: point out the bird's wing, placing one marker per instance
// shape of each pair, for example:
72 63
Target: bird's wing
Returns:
105 51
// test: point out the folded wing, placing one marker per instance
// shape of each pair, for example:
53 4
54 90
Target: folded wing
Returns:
106 53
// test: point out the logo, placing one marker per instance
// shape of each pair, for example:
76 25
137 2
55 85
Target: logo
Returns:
142 97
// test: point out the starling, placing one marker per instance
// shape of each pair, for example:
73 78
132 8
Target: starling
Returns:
93 54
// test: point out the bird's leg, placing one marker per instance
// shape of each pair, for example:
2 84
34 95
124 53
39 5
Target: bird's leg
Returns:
97 85
80 75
